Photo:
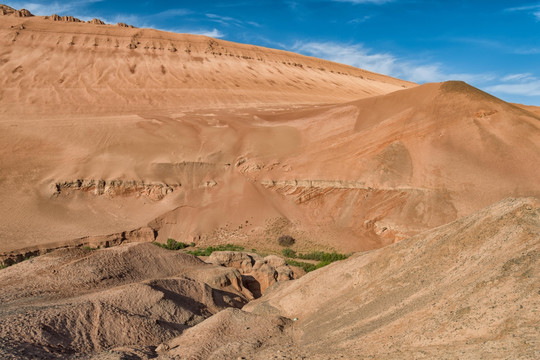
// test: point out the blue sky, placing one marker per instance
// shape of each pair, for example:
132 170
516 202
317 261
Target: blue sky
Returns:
493 45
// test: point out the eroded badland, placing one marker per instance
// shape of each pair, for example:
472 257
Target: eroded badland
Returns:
115 137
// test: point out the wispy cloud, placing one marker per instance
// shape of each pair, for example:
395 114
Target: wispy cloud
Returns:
355 55
359 20
54 7
224 20
524 8
525 84
228 20
385 63
173 13
531 88
215 33
533 9
376 2
518 77
496 45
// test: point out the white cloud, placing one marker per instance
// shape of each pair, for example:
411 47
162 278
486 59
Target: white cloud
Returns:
227 20
517 77
525 84
531 9
531 88
173 13
359 20
524 8
54 7
215 33
355 55
384 63
376 2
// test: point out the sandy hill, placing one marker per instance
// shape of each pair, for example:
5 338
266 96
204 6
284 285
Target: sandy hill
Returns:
111 133
77 301
468 289
465 290
64 67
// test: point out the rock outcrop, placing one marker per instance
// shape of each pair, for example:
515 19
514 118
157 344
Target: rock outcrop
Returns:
143 234
113 188
96 22
258 273
65 18
6 10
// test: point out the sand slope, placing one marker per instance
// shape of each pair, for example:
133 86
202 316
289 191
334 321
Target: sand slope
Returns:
96 139
58 67
77 301
464 290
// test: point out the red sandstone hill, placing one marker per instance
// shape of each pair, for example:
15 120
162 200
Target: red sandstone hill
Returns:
107 129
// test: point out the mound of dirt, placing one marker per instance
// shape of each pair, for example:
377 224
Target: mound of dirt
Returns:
77 301
228 335
468 289
68 69
465 289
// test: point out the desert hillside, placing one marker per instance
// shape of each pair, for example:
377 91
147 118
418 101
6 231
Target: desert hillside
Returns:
111 134
150 182
353 176
54 66
465 290
468 289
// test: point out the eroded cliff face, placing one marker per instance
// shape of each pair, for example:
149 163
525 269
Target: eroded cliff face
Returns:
114 188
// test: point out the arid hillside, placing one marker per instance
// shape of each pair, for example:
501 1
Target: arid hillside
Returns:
112 134
113 137
53 67
466 290
83 301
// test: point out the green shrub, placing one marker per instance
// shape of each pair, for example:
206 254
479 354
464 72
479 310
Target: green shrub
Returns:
209 250
288 253
306 266
286 240
172 244
323 256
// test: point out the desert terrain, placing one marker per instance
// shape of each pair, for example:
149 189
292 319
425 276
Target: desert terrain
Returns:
113 137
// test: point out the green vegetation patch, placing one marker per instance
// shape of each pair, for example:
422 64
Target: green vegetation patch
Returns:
323 259
209 250
323 256
306 266
288 253
172 244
